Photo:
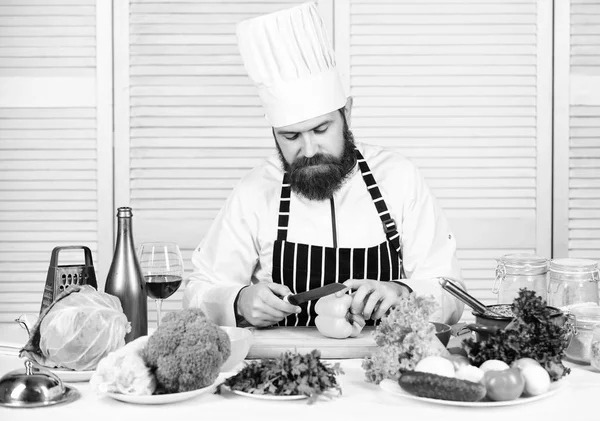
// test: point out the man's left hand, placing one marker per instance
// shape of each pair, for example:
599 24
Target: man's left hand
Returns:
372 299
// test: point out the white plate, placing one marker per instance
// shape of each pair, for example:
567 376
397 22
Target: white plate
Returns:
69 376
162 399
72 376
395 389
270 397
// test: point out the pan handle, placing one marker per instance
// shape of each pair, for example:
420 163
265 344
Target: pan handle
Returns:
463 295
479 328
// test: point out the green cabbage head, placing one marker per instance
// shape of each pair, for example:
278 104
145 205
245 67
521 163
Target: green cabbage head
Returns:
81 327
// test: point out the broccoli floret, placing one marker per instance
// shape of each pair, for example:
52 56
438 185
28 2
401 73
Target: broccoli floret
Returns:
187 351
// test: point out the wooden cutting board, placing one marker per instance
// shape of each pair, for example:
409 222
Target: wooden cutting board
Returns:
271 342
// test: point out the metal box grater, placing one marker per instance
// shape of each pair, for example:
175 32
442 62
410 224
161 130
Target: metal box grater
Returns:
59 278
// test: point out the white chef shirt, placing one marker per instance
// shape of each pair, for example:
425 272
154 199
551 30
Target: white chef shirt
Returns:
238 248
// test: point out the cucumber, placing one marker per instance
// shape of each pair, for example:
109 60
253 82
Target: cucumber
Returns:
433 386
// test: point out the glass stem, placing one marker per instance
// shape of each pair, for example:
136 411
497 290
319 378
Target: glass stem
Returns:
158 308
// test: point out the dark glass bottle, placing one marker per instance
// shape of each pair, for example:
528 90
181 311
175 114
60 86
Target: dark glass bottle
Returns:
125 279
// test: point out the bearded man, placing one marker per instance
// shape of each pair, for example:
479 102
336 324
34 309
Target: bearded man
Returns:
325 208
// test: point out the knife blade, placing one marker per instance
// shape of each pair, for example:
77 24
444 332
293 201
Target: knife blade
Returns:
313 294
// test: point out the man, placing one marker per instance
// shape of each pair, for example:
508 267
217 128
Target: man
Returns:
324 208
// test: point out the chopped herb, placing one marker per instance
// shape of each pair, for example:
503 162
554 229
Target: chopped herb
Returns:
289 374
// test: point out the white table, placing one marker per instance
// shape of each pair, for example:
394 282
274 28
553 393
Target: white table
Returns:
578 400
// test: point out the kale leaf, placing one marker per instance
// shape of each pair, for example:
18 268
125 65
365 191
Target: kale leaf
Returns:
531 334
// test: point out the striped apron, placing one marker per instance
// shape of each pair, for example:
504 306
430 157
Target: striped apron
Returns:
302 267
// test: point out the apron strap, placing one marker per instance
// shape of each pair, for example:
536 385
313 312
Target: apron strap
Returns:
284 208
389 225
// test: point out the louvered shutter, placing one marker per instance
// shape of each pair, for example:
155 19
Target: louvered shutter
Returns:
463 88
189 123
54 157
577 129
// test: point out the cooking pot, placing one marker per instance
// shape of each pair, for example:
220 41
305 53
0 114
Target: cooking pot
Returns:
487 324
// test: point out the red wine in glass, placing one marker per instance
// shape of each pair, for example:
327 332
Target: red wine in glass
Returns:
160 287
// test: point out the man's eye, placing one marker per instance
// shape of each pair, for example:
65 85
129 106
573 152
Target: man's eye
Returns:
291 137
321 130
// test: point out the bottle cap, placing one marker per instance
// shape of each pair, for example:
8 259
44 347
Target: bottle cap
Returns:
124 212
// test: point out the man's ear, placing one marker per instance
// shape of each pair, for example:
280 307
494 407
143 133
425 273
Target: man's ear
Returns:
348 110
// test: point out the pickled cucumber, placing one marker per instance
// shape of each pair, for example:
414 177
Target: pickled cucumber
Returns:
433 386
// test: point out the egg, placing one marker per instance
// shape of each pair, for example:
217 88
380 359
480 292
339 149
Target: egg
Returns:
537 380
494 365
470 373
436 365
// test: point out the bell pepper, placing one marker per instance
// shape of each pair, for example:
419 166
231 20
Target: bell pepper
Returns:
334 319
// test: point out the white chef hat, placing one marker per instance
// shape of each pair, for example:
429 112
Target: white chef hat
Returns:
289 57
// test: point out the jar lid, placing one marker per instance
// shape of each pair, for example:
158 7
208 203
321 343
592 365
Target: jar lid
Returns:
519 263
573 266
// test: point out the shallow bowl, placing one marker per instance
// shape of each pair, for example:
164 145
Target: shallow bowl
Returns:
241 341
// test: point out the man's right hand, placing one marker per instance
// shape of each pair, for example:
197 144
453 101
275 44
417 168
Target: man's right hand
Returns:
260 304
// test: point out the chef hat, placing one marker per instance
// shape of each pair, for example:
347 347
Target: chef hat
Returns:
288 56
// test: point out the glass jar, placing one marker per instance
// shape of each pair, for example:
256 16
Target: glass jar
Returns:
573 282
587 319
520 270
595 348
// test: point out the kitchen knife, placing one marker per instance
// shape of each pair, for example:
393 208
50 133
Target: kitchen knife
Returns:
313 294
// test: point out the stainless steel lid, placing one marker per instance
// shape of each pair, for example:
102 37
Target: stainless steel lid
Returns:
33 387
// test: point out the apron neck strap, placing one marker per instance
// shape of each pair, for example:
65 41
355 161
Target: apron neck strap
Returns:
388 223
284 208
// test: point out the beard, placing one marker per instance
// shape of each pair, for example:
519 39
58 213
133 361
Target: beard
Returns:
321 175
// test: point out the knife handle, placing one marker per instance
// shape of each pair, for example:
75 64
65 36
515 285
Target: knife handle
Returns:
289 299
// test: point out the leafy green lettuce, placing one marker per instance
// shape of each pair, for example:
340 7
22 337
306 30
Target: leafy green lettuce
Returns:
533 334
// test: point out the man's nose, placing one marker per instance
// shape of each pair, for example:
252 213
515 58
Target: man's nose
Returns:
309 145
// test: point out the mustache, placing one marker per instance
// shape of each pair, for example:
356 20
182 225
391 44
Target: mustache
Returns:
318 159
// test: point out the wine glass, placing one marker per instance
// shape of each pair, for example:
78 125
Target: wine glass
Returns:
162 268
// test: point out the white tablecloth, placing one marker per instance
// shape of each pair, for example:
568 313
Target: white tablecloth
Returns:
578 400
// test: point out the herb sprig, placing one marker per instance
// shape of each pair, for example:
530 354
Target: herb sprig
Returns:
289 374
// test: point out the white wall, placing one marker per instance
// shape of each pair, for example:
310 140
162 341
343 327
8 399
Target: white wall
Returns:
55 141
464 90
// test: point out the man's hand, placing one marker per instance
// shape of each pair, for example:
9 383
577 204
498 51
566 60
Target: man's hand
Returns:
260 304
372 299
